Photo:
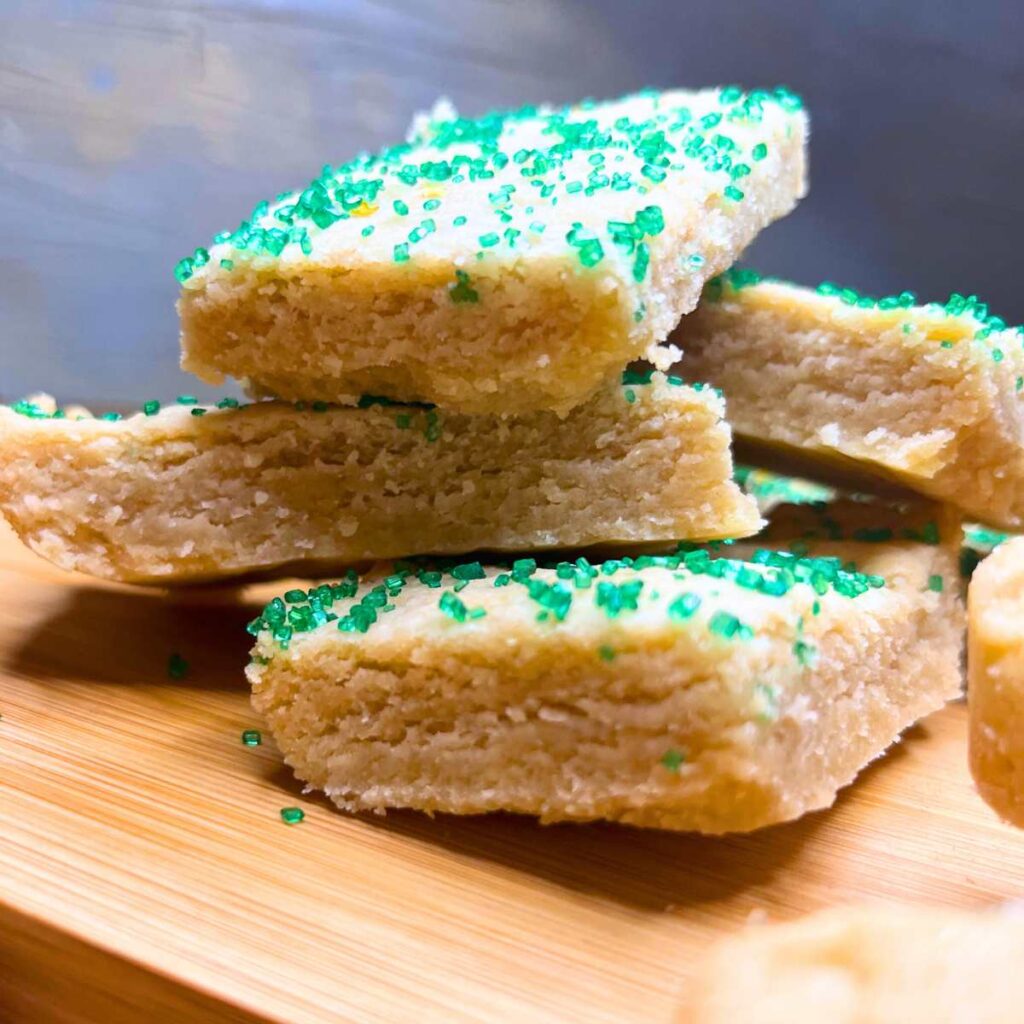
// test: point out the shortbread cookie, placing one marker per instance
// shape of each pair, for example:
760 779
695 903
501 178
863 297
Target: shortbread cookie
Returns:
995 695
718 689
865 965
928 397
509 263
190 492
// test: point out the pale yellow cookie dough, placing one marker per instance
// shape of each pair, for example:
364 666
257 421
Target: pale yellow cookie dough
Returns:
720 690
511 263
995 695
927 397
865 965
175 497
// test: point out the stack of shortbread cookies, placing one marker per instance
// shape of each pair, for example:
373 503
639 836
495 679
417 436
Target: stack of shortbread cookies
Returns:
491 425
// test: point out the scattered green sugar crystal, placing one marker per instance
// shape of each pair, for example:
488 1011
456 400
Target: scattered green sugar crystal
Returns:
177 666
400 253
187 400
469 571
673 759
151 408
684 607
453 607
617 598
462 291
252 737
606 653
292 815
805 653
935 583
726 625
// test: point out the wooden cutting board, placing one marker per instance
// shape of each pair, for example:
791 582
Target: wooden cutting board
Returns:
146 874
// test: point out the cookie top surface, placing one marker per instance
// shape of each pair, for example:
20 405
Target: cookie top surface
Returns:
896 319
593 182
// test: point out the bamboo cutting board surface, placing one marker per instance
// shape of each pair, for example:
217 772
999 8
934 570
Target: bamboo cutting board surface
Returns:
145 873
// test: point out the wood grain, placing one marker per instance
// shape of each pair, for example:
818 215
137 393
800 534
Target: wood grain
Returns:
145 873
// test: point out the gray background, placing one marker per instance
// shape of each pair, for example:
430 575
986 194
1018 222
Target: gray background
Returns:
132 131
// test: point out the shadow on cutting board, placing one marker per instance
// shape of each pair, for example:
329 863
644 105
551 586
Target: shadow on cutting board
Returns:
643 869
126 636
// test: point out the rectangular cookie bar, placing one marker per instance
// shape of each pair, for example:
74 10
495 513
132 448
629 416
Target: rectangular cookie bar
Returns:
719 689
865 965
509 263
929 397
995 695
188 493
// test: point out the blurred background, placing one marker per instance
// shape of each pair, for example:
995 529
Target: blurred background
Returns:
132 131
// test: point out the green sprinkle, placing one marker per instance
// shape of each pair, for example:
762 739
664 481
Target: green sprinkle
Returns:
431 204
367 231
177 666
760 151
453 607
459 221
935 583
400 254
728 626
151 408
606 653
292 815
733 193
227 264
616 598
252 737
806 654
403 421
198 412
228 403
673 759
469 571
684 607
461 291
492 238
641 262
401 208
187 400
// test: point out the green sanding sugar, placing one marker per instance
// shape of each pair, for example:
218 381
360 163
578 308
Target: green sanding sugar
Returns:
177 666
568 158
352 606
292 815
462 291
252 738
673 759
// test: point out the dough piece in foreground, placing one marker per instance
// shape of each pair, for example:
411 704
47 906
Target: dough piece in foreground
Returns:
509 263
995 694
927 397
190 493
720 689
864 965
